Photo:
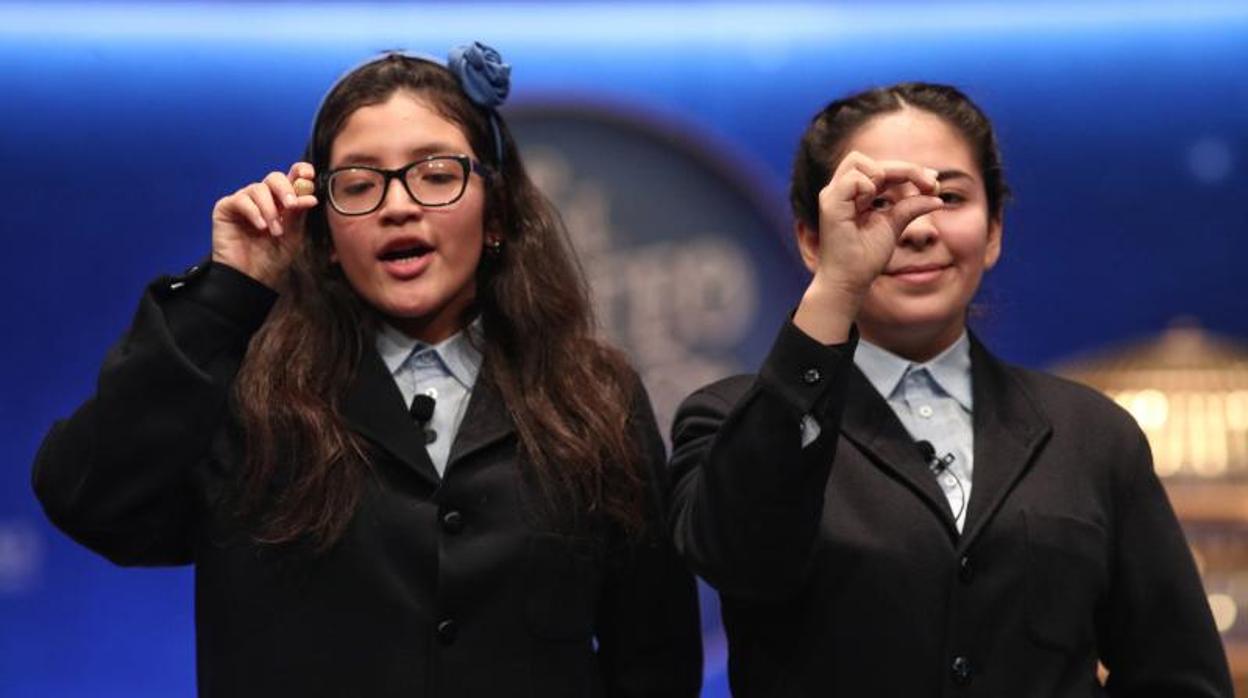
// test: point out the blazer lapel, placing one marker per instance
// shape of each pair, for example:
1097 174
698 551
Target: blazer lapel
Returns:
374 407
486 421
871 424
1009 431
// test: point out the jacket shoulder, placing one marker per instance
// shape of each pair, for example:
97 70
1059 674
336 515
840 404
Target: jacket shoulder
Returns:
1073 404
719 396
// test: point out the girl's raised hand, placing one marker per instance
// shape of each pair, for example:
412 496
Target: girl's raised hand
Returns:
862 212
259 228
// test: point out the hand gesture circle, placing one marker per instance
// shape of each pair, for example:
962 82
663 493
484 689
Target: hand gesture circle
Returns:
863 211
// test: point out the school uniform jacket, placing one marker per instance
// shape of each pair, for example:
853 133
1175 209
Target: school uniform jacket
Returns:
841 572
439 587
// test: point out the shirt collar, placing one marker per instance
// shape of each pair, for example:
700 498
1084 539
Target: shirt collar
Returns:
951 369
458 353
883 368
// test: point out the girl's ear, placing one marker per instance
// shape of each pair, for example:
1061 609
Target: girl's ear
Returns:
808 245
493 245
992 251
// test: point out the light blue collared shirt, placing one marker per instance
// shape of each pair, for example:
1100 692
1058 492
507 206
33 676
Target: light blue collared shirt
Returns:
933 401
446 372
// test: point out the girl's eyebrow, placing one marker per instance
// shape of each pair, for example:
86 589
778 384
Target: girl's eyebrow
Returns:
422 152
951 174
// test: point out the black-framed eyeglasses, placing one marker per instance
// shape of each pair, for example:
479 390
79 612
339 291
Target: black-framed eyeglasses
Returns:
438 180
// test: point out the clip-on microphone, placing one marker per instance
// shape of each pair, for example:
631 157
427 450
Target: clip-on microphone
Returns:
422 412
939 465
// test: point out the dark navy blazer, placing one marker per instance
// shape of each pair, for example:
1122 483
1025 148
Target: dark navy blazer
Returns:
842 574
439 587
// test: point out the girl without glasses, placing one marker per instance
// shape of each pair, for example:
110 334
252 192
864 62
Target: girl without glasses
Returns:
380 426
889 510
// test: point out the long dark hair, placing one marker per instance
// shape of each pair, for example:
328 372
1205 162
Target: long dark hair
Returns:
568 394
823 144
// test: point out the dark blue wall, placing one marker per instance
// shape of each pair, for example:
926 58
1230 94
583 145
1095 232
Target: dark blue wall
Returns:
1125 131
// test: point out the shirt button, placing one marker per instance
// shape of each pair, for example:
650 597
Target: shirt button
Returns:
966 571
447 630
452 522
925 411
961 670
432 392
811 376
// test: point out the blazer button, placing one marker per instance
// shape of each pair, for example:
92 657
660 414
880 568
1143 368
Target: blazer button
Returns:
966 571
452 522
961 670
447 630
811 376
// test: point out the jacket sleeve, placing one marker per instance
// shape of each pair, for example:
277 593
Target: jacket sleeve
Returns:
1157 636
649 635
748 497
116 475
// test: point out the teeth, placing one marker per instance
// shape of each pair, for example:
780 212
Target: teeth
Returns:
405 253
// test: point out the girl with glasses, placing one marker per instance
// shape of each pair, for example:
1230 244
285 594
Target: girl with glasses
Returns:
886 508
380 426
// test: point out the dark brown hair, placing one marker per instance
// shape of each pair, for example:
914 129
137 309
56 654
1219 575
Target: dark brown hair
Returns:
568 394
823 145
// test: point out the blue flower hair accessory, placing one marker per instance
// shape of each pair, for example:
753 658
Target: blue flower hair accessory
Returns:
486 79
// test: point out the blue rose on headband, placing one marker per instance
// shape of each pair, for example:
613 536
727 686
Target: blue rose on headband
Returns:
486 79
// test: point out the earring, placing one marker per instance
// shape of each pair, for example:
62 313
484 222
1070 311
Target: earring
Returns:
494 247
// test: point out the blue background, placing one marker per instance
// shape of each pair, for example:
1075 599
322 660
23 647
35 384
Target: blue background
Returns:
1123 127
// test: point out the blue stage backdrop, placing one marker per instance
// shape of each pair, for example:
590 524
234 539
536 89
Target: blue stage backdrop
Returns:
665 135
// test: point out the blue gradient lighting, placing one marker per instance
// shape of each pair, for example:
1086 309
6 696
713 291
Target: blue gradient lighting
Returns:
580 23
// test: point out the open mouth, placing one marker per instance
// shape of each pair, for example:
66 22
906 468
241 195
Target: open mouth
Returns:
406 259
408 252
